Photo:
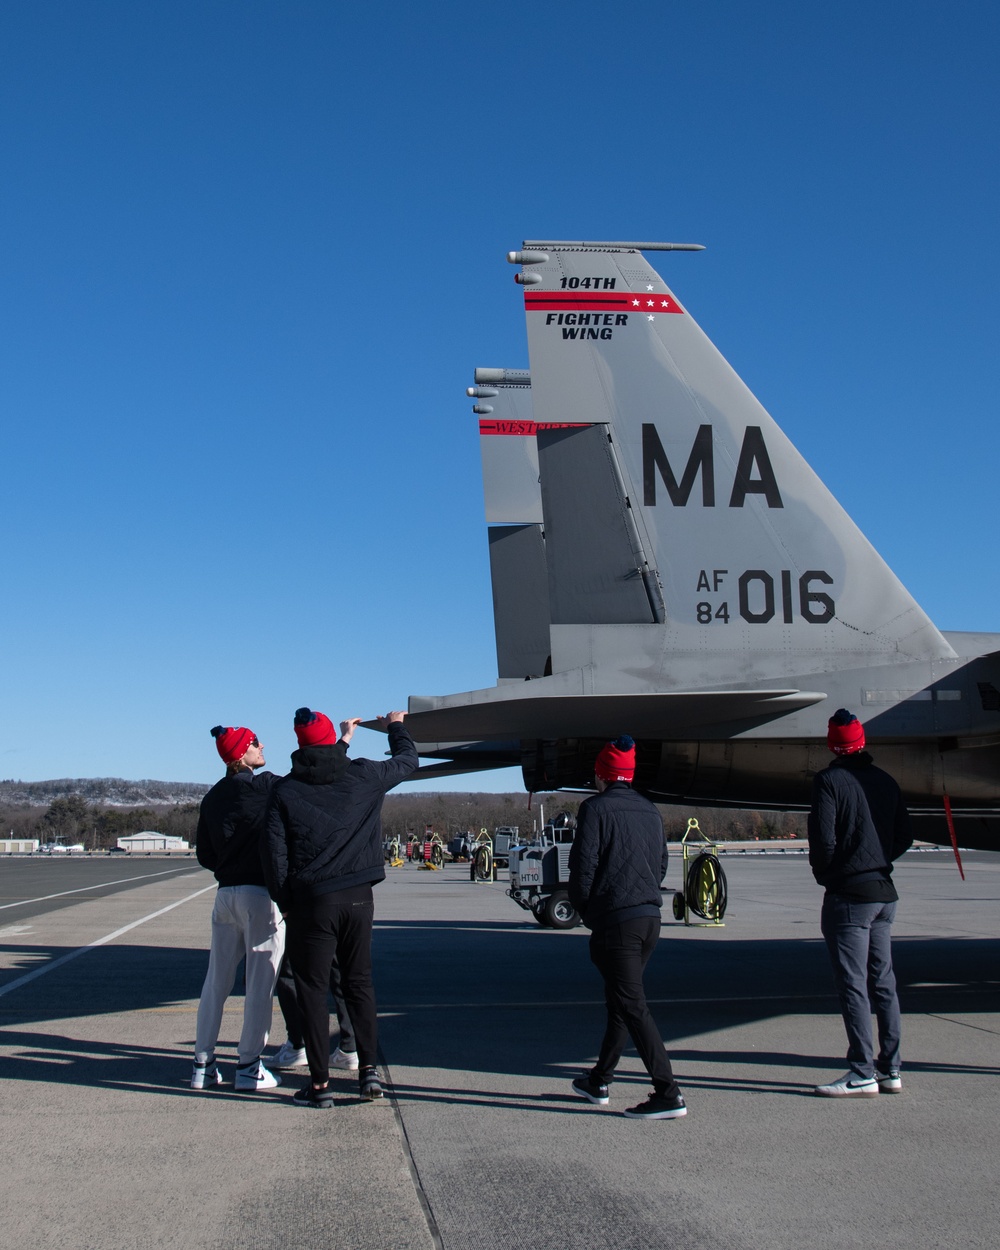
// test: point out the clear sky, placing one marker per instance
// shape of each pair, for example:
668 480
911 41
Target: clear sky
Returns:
252 251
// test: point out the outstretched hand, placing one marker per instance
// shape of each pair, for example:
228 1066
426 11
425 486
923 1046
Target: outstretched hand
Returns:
391 718
347 728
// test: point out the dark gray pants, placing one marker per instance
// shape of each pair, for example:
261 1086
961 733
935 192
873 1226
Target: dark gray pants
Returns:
858 937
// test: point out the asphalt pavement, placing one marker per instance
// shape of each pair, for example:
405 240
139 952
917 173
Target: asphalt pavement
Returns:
485 1018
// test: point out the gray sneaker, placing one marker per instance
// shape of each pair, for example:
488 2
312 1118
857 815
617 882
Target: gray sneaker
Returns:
370 1087
850 1085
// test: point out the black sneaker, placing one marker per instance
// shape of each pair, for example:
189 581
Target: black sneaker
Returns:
371 1088
592 1090
658 1107
309 1096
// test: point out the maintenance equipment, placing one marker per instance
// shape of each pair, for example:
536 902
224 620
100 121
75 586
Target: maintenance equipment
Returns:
433 852
504 837
482 863
539 874
703 891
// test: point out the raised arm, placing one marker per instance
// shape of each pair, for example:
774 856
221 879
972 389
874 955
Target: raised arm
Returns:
405 759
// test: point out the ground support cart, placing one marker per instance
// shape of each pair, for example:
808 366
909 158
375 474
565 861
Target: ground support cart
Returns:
703 888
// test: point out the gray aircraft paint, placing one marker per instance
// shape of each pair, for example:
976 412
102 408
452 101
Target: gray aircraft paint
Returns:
660 370
513 500
705 590
511 493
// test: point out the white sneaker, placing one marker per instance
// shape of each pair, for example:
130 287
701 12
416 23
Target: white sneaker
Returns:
205 1074
850 1085
345 1059
255 1076
288 1057
889 1082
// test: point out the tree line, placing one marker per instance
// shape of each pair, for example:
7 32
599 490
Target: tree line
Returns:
71 819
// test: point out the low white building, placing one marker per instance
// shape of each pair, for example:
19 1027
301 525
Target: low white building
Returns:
18 846
150 841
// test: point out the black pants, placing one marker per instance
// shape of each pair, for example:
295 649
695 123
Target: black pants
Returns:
328 929
288 1001
620 952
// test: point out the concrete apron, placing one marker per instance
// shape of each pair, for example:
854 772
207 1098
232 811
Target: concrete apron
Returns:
107 1147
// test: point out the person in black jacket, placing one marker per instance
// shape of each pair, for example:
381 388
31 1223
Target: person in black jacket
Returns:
616 864
857 826
245 922
324 854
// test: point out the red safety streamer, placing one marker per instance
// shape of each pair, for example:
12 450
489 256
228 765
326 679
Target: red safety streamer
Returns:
951 830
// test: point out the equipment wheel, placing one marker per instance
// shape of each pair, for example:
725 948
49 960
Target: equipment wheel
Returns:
678 906
539 914
559 912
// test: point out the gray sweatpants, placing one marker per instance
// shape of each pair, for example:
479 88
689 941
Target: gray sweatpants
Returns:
244 923
858 937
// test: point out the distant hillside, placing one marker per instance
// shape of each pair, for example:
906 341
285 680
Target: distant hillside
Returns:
110 791
447 812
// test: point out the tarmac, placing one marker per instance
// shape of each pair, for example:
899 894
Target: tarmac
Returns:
485 1018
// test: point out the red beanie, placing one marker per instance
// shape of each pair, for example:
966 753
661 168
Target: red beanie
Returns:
616 760
845 734
313 729
232 743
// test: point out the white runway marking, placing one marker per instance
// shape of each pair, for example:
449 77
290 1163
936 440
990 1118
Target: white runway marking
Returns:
82 950
83 888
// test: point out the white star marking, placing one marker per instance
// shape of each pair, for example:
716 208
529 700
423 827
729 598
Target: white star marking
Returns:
650 287
635 303
650 317
665 303
649 303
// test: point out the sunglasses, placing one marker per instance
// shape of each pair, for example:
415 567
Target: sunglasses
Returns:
254 742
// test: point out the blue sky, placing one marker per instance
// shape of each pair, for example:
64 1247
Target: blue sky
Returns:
252 252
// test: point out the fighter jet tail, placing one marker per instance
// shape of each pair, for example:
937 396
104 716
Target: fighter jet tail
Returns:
686 543
665 563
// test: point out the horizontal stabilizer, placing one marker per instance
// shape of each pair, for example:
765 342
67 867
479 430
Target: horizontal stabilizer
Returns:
658 715
455 768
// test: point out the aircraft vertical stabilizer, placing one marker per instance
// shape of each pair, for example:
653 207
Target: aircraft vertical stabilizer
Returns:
514 512
762 572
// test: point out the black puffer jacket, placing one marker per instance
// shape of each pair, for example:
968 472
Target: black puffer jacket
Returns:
618 858
857 825
324 828
230 833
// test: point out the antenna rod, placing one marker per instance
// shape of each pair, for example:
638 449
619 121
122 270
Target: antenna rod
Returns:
568 246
